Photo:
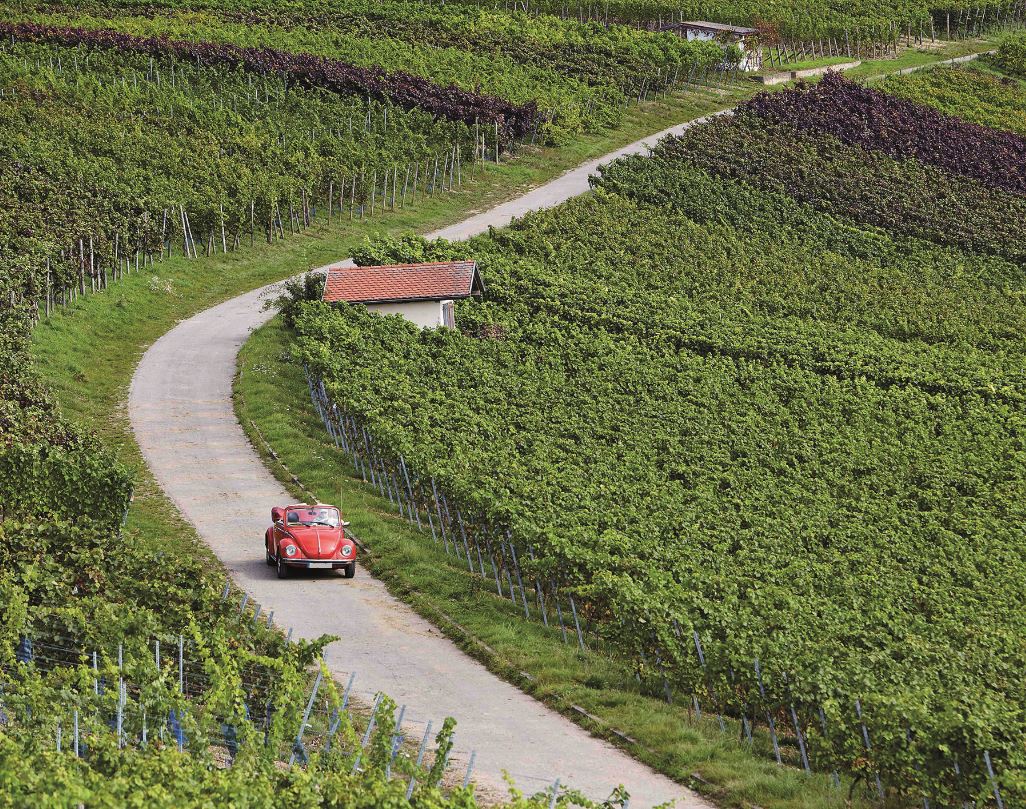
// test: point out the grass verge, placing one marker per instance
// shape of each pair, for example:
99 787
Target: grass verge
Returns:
921 57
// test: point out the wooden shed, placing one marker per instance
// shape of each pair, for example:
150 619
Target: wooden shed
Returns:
424 294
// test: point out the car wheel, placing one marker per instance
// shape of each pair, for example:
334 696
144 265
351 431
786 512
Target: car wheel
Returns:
269 558
349 570
283 569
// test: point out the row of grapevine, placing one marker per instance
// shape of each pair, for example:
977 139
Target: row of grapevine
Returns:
1011 55
620 41
594 54
812 21
407 91
754 444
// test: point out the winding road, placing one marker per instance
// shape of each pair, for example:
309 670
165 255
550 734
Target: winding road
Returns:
180 405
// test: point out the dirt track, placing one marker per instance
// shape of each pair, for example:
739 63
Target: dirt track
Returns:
181 411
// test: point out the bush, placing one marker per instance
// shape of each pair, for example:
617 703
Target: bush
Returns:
1011 55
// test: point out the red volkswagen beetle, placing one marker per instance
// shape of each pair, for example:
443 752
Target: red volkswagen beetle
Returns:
311 537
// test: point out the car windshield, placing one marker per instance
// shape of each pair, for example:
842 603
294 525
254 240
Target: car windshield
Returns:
313 516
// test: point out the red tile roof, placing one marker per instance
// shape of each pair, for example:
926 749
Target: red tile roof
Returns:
440 280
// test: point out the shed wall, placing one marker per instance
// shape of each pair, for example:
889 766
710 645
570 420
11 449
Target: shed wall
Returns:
426 314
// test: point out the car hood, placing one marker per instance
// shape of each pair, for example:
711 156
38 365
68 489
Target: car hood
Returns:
317 541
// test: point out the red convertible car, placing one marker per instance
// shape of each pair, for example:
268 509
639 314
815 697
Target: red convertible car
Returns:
309 537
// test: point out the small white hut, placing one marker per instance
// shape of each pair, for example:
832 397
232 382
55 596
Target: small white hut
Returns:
747 39
424 294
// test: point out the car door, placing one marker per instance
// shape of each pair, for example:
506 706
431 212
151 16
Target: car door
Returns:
277 534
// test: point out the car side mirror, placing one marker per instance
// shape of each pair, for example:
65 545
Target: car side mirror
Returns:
345 524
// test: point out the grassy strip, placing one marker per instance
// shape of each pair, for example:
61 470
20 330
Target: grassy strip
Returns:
920 57
593 688
906 58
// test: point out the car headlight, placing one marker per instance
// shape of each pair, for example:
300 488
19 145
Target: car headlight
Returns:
290 550
347 550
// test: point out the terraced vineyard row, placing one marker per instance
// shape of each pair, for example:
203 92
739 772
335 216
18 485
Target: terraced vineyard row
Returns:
723 419
904 196
866 117
809 19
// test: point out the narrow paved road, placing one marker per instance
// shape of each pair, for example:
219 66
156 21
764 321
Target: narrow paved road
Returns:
181 411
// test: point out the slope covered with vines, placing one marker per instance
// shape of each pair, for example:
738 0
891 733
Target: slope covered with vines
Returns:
578 78
872 119
808 19
777 457
593 53
110 157
904 196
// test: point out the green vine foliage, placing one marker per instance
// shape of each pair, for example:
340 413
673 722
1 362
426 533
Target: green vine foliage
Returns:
903 196
580 76
711 407
111 778
1011 55
804 19
101 153
69 590
59 483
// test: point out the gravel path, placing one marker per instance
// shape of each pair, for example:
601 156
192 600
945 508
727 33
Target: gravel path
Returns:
181 412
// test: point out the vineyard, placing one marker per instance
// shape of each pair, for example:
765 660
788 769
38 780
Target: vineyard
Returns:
751 413
579 79
1011 56
756 397
144 157
982 98
119 151
872 188
864 20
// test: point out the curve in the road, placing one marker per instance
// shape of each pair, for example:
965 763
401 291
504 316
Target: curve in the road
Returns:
180 405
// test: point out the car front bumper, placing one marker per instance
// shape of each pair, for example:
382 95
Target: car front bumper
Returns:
318 564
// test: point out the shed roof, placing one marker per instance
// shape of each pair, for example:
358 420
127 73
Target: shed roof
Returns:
713 27
398 283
